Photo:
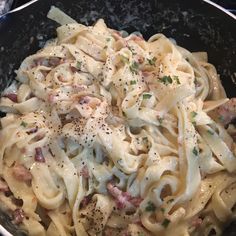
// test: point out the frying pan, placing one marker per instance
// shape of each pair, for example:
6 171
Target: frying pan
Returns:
195 25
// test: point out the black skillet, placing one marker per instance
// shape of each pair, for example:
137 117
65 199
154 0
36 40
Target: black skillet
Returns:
195 25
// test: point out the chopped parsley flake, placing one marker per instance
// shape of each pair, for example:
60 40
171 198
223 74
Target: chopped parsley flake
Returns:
210 132
165 223
134 67
152 61
176 78
105 47
150 207
162 209
160 120
147 96
193 114
140 234
108 39
24 124
132 50
166 80
195 151
221 118
132 82
78 65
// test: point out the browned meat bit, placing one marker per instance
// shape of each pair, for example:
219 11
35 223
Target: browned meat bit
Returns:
86 200
18 215
12 97
123 199
52 61
21 173
39 157
227 111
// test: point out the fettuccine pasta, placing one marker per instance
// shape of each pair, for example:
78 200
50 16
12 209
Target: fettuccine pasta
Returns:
112 135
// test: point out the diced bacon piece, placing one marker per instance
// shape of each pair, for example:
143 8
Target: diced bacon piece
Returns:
136 201
44 72
85 172
227 111
18 216
21 173
3 186
39 61
54 61
123 199
12 97
39 157
86 200
74 69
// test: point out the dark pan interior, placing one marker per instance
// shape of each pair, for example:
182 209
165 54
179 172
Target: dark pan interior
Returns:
195 25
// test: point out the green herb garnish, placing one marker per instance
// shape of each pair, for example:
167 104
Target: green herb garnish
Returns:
162 209
152 61
132 82
210 132
108 39
134 67
146 95
132 50
140 234
150 207
166 80
78 65
195 151
160 120
221 118
165 223
193 114
176 78
24 124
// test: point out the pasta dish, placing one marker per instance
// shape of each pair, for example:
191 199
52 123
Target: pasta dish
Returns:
109 134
